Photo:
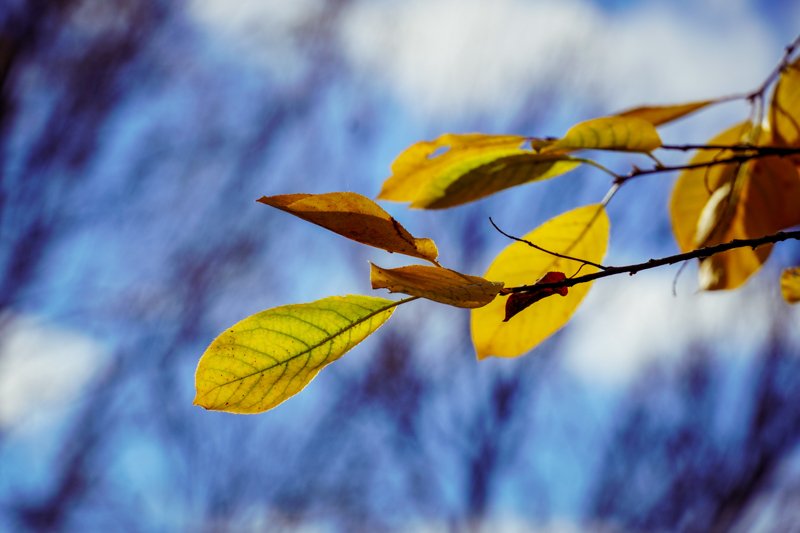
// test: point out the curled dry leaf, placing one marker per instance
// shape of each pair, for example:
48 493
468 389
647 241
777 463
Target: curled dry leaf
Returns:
520 301
356 217
435 283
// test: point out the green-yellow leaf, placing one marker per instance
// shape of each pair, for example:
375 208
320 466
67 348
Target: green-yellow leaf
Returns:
784 111
452 189
356 217
632 134
790 285
267 357
662 114
456 169
435 283
582 233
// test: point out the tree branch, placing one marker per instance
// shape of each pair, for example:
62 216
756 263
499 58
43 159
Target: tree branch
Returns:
736 159
784 62
700 253
762 150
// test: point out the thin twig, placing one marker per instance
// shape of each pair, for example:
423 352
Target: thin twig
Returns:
784 62
700 253
636 172
766 150
550 252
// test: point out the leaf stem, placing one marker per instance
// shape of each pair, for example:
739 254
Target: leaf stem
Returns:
598 166
699 253
550 252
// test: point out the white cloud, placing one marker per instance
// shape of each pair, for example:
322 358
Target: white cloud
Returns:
263 31
660 52
455 56
42 369
452 56
628 323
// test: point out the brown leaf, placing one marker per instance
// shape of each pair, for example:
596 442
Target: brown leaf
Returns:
519 301
662 114
435 283
356 217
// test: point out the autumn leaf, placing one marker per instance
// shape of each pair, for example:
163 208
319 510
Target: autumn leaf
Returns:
456 169
519 301
270 356
770 198
662 114
733 201
631 134
715 215
356 217
694 187
784 110
581 233
790 285
435 283
703 209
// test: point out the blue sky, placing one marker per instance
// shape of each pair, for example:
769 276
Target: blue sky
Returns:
171 186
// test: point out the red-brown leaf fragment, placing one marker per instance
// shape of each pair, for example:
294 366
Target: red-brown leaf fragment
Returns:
520 301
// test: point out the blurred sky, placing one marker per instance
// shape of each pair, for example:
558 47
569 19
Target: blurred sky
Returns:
144 166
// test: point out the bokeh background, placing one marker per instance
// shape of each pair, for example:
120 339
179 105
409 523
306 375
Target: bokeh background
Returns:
135 136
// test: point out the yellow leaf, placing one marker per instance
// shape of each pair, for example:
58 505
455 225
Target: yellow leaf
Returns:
694 187
770 198
631 134
356 217
456 169
790 285
733 201
716 214
784 111
272 355
662 114
769 201
729 270
435 283
707 207
582 233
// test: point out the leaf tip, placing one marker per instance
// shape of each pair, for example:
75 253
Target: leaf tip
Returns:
199 402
